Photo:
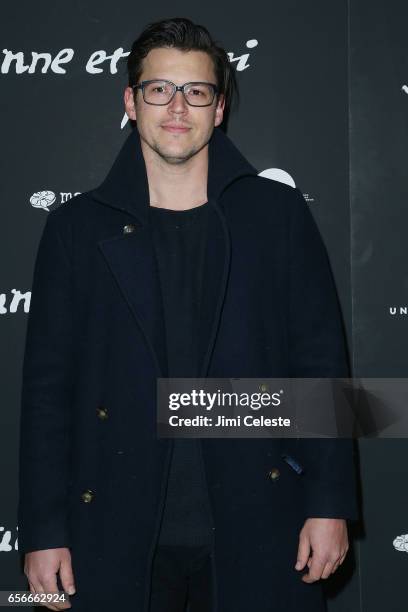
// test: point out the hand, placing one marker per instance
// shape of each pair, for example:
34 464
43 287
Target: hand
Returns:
41 567
328 539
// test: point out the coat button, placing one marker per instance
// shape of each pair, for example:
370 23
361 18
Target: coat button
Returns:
127 229
102 412
274 474
264 387
87 496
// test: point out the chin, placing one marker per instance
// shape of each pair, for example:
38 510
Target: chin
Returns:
176 155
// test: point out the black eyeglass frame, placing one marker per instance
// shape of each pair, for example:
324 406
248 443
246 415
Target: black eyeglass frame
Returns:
176 88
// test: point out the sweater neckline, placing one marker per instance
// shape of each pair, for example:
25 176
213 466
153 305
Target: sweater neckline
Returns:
172 219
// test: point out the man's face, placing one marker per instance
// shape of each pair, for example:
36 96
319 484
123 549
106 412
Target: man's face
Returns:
154 122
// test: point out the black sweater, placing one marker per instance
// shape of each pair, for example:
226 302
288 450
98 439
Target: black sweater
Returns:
179 239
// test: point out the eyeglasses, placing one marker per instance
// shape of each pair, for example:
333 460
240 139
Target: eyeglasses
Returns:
161 92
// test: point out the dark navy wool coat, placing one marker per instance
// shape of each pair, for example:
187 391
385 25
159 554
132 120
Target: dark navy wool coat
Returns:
93 473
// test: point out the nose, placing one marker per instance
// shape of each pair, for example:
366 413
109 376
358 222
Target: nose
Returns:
178 104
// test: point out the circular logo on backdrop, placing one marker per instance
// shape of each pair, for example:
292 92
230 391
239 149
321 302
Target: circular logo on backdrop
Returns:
277 174
401 543
42 199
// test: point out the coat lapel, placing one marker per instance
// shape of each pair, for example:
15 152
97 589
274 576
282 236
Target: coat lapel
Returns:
214 283
132 261
131 256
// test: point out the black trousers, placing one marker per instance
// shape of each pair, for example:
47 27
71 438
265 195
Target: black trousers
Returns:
181 579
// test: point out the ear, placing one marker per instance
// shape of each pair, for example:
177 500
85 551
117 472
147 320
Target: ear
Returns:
130 106
219 110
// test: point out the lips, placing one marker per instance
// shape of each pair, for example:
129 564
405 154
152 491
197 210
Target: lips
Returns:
175 129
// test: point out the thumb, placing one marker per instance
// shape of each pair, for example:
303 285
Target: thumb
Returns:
66 576
303 552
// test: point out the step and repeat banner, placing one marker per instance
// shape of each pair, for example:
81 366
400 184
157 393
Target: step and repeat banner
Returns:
378 128
324 107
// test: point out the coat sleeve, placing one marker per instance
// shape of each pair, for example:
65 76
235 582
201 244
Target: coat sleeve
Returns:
45 398
317 350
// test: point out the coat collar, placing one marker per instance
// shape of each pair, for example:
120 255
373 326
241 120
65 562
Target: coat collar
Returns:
126 185
131 258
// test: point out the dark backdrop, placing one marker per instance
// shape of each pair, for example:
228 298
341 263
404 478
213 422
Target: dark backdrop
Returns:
324 103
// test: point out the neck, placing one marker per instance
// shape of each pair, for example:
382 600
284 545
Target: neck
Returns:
177 186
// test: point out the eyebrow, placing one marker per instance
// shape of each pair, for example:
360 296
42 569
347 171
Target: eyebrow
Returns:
190 81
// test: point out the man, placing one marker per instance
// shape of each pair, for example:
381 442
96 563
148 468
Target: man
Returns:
183 262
